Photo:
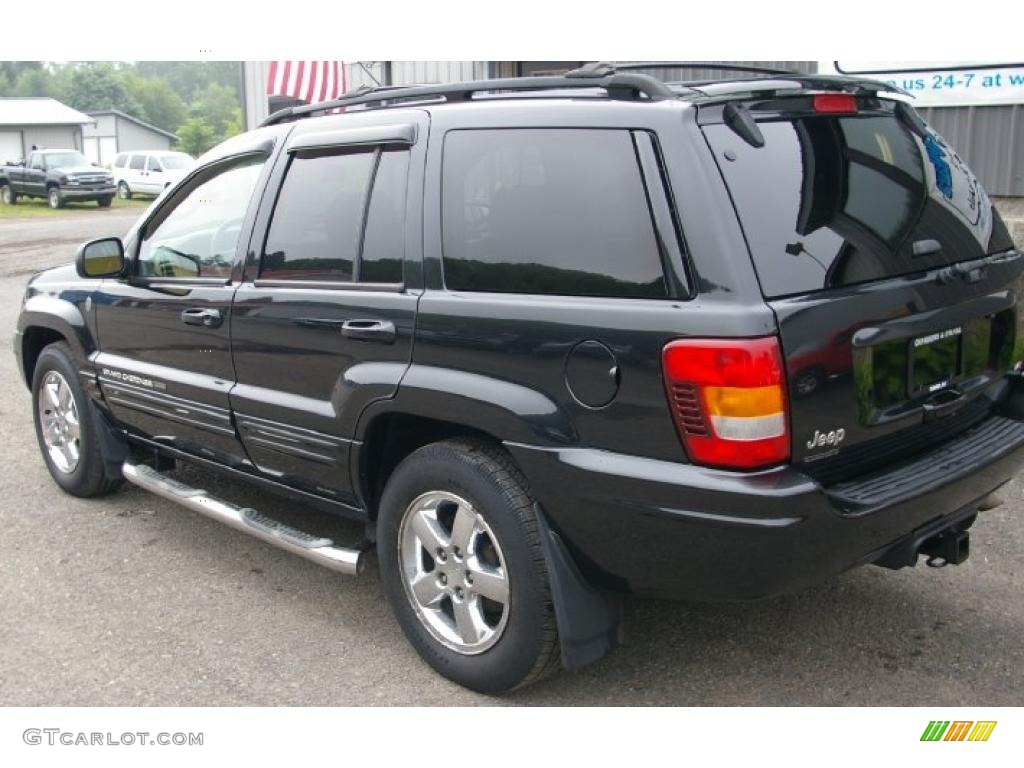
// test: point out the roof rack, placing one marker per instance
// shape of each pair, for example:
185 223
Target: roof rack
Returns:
603 68
626 86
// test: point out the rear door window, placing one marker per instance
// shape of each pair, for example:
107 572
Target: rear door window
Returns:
339 216
832 201
137 162
548 211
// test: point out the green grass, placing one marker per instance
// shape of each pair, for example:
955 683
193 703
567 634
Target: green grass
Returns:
32 208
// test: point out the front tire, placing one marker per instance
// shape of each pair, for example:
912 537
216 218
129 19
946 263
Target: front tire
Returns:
462 564
55 198
8 195
64 428
124 191
104 202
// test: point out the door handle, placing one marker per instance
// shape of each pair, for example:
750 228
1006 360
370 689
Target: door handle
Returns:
208 318
944 402
381 331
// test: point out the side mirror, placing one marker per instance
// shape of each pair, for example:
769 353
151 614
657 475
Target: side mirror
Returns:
100 258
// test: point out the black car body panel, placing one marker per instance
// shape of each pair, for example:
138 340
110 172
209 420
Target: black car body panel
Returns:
300 376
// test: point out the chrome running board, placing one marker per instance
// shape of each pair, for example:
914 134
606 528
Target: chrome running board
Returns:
315 548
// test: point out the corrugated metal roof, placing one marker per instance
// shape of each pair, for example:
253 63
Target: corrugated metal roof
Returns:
39 111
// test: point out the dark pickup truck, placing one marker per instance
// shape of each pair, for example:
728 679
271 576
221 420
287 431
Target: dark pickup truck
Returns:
60 176
552 340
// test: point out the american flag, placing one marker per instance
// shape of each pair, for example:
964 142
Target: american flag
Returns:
310 81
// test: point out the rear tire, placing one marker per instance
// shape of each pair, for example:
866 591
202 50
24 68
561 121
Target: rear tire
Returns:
124 191
69 443
8 195
510 643
54 198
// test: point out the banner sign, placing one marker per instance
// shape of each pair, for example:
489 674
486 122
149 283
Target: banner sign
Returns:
943 84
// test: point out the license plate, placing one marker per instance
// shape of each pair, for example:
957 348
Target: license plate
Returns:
934 360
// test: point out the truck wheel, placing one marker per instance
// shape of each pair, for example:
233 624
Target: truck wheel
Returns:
7 195
463 568
54 197
104 202
64 426
123 191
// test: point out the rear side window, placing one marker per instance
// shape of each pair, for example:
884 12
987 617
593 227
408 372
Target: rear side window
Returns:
834 201
327 226
120 161
137 162
548 211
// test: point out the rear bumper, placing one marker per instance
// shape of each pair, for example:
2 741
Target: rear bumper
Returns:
679 530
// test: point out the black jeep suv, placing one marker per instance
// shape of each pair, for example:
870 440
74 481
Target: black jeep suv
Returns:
554 340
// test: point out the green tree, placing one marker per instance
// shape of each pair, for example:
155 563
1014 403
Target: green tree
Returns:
196 136
97 85
160 103
13 69
190 78
236 125
37 82
216 105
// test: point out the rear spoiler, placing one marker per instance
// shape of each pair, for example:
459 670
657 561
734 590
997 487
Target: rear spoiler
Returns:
789 85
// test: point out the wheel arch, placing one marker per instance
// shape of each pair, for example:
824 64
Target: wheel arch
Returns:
46 320
434 404
391 436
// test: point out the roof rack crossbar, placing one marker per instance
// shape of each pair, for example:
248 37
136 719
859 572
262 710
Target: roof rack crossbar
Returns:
621 86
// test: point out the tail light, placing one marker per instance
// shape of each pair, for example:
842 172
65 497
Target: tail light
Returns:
728 400
835 103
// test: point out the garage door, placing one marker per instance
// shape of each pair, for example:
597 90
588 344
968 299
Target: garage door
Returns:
10 146
91 149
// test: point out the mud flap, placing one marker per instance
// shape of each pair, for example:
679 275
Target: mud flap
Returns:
113 448
589 621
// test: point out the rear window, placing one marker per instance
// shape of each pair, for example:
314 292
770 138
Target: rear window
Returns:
834 201
548 211
137 162
120 161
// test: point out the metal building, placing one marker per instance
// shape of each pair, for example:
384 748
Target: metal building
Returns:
114 131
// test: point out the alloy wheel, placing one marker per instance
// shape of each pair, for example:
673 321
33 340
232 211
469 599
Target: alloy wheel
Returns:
454 572
59 420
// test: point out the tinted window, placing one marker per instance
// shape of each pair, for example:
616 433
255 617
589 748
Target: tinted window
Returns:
198 237
318 218
548 211
153 164
121 159
317 231
137 162
384 241
833 201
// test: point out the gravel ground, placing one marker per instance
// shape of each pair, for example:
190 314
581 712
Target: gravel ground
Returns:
130 600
